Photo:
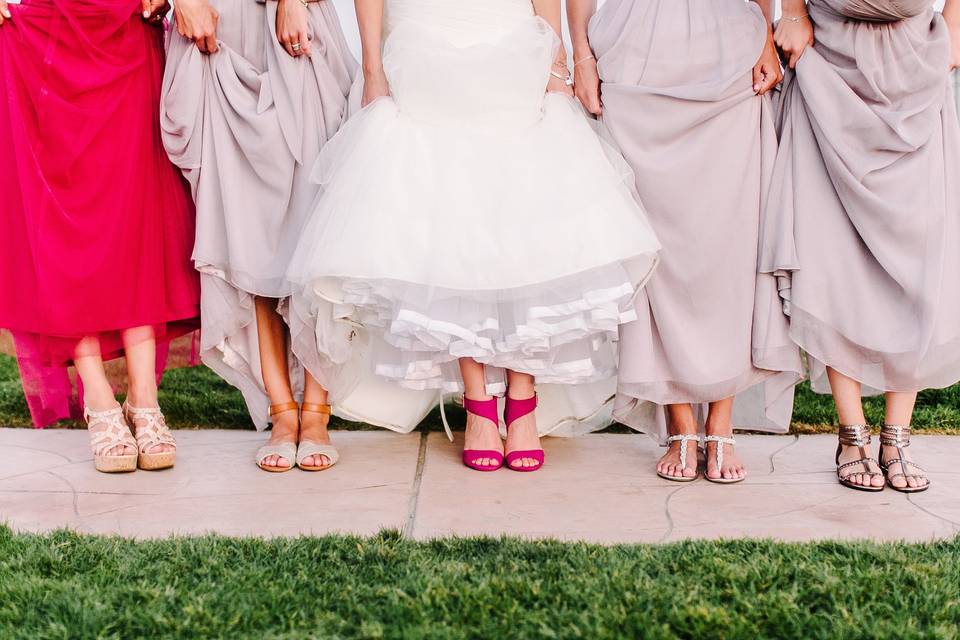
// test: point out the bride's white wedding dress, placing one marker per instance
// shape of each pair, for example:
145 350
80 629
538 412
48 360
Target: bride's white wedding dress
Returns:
469 214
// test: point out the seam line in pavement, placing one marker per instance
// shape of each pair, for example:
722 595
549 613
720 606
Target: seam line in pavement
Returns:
795 440
415 489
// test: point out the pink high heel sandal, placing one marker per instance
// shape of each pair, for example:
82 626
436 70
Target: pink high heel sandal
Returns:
484 409
513 411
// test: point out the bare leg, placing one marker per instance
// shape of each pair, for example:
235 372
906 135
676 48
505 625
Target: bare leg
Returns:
313 426
846 396
720 423
899 411
97 392
272 334
522 435
140 347
680 421
479 434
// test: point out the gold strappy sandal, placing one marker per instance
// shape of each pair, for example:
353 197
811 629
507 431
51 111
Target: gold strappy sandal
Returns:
893 435
285 450
150 429
112 431
307 448
856 435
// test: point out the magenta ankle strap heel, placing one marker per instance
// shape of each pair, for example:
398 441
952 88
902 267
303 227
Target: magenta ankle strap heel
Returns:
484 409
513 411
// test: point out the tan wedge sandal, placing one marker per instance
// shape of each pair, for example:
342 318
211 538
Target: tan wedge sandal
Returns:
285 450
856 435
892 435
150 429
111 431
720 440
307 448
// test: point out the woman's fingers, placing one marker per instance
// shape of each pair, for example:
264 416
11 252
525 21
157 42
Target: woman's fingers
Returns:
209 43
765 77
4 12
304 40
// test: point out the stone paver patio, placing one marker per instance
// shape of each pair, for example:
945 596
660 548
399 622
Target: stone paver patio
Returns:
598 488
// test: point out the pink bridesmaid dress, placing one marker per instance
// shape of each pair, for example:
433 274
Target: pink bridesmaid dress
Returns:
97 223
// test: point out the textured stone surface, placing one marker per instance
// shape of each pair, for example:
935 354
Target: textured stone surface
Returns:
599 488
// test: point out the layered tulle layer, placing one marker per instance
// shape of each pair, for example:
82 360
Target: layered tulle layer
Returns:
559 331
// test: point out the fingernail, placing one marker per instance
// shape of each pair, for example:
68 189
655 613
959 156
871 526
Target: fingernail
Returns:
146 14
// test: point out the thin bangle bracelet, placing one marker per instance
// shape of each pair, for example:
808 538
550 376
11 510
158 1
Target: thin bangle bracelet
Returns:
796 18
576 62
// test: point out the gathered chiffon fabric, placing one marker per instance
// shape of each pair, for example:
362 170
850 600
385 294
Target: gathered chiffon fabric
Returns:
678 101
864 225
471 215
98 224
245 125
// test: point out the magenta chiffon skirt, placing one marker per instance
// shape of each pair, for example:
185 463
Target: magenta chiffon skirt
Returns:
97 223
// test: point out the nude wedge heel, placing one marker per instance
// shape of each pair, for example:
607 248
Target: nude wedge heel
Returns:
111 431
150 429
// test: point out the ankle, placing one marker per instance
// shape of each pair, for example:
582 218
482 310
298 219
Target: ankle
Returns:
142 398
100 402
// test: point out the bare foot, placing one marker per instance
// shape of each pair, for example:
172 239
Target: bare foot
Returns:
313 427
858 474
285 427
669 464
482 434
523 436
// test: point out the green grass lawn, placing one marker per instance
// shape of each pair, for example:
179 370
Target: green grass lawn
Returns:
196 397
65 585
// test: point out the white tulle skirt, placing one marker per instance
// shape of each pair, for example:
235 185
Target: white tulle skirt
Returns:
471 215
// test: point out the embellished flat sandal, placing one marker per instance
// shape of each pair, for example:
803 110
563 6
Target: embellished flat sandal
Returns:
307 448
898 436
150 429
857 435
720 440
285 450
109 430
683 439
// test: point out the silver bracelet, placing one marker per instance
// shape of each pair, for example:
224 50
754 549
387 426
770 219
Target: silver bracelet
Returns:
796 18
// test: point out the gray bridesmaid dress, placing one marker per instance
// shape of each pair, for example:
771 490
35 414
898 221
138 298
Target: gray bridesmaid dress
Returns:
864 216
678 101
245 126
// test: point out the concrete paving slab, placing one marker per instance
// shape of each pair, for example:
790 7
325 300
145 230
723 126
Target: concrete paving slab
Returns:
215 487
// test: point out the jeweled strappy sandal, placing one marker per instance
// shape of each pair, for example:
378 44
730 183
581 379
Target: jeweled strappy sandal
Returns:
285 450
892 435
720 440
683 439
856 435
150 429
307 448
115 432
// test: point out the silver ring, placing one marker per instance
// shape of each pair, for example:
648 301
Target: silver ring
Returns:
295 46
